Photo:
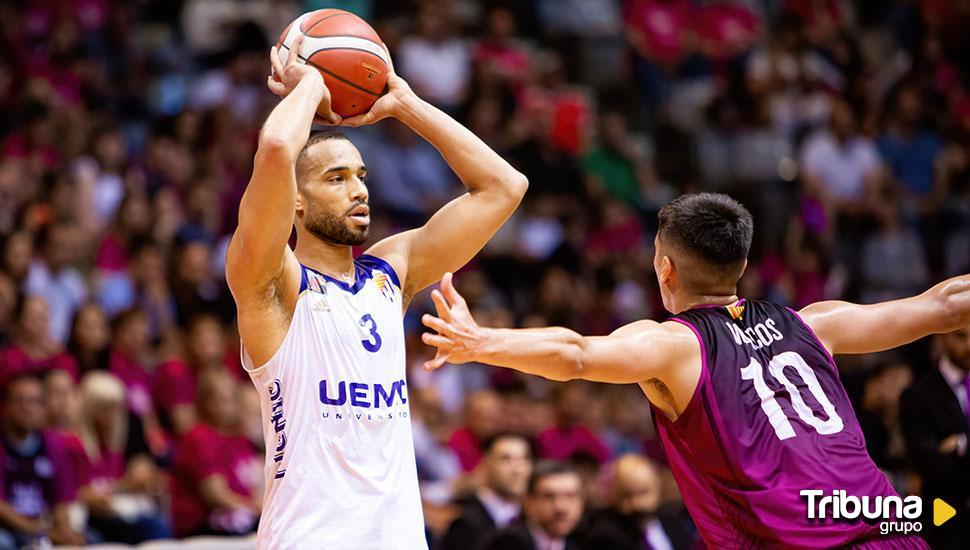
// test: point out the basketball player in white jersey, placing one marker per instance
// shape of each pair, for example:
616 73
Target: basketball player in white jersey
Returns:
322 333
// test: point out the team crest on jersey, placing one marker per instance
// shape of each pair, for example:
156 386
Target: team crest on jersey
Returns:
384 285
735 310
318 285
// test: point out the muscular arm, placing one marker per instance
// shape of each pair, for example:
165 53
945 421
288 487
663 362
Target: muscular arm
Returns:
261 270
844 327
462 227
634 353
258 248
637 352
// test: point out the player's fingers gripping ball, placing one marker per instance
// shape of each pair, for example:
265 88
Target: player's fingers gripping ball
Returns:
347 52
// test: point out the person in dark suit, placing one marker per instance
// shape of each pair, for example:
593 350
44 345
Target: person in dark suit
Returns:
551 510
506 466
935 417
634 519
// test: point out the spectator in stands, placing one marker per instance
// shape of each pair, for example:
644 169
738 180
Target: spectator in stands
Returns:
911 150
656 32
90 338
616 165
634 518
893 259
32 350
152 288
500 52
434 61
493 505
551 511
570 436
62 402
129 358
116 290
174 383
878 413
18 251
120 494
36 474
483 417
216 472
194 287
423 187
840 166
935 417
627 423
53 277
8 303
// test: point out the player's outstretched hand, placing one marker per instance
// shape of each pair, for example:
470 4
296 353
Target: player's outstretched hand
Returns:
284 78
458 335
389 104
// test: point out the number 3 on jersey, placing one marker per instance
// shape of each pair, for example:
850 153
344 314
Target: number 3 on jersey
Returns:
770 406
373 343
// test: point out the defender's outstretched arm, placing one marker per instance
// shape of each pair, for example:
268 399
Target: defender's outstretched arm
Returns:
462 227
258 248
844 327
638 352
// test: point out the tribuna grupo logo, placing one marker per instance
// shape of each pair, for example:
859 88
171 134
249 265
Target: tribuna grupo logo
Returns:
894 514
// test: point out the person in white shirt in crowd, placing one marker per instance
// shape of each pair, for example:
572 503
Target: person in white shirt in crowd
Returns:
435 62
52 277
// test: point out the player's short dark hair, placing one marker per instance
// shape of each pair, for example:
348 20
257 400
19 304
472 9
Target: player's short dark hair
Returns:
710 235
316 136
549 468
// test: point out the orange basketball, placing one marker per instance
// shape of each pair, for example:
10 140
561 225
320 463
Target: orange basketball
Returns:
346 51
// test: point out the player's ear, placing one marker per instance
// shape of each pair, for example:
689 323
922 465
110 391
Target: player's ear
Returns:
666 270
300 202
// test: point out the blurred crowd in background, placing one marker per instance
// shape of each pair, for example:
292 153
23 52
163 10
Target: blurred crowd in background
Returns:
127 137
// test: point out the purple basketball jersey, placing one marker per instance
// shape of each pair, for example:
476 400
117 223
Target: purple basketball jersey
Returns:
769 418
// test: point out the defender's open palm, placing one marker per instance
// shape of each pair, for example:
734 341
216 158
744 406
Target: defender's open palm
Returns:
457 332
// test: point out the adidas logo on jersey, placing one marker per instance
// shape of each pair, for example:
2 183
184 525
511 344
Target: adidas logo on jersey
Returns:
320 305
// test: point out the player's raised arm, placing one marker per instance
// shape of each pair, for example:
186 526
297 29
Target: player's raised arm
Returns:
258 251
844 327
638 352
462 227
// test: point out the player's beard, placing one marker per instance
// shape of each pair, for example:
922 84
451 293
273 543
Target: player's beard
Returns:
333 228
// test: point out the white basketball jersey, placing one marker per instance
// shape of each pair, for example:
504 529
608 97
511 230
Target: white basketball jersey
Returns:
340 468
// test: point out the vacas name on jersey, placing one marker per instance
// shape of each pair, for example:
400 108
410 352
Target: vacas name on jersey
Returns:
757 336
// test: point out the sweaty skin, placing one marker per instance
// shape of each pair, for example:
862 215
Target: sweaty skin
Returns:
665 358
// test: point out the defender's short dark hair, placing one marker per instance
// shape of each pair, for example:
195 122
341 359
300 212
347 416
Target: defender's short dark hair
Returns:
316 136
711 235
548 468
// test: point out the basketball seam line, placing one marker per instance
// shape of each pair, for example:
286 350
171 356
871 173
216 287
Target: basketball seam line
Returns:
318 21
347 47
338 77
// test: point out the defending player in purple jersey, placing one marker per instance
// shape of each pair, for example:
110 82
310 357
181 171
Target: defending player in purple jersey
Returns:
746 396
768 419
